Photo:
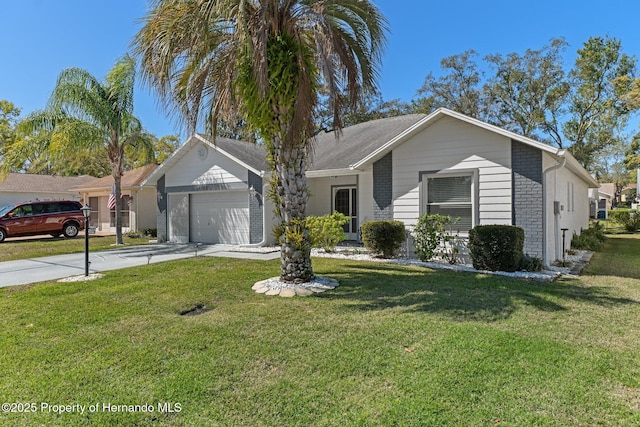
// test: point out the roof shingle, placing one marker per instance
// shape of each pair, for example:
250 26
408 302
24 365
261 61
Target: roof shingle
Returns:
26 183
132 178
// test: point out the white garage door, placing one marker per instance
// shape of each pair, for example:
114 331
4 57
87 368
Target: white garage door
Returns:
220 217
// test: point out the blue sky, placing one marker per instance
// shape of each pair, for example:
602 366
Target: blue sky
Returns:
42 37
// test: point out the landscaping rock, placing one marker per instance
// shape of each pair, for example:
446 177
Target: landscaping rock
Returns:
303 292
288 292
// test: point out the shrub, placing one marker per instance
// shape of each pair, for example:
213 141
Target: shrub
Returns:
434 237
383 237
590 239
530 263
496 247
628 218
326 231
150 232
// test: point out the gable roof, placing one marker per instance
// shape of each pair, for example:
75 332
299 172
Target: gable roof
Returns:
130 179
356 142
249 155
34 183
432 118
246 152
358 146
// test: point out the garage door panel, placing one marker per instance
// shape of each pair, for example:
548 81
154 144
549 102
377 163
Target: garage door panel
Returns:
220 217
179 218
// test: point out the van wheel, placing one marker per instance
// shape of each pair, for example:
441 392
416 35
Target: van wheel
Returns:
2 235
70 229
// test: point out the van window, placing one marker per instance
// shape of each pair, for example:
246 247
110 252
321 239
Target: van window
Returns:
68 206
51 208
38 209
23 211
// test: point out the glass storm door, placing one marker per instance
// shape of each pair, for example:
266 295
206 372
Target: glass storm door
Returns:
345 201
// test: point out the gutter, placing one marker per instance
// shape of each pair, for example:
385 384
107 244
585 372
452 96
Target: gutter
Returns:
264 220
560 165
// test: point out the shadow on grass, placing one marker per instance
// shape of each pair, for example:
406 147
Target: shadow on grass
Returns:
462 296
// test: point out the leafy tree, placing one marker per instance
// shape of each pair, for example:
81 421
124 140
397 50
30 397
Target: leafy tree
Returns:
30 153
84 115
459 90
610 166
599 103
266 61
9 114
527 92
156 151
164 147
370 107
632 155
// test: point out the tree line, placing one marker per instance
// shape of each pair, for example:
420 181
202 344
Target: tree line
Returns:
586 109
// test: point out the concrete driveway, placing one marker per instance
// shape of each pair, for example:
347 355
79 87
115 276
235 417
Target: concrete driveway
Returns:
34 270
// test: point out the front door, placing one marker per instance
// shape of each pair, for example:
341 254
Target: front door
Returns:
345 201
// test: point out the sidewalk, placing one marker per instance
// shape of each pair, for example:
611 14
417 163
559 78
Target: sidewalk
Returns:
34 270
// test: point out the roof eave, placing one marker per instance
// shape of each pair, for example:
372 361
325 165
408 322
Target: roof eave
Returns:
324 173
230 156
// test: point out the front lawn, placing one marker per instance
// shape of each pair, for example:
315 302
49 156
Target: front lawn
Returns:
393 345
12 249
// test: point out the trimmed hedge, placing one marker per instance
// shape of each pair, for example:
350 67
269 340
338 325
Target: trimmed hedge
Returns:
383 237
628 218
496 247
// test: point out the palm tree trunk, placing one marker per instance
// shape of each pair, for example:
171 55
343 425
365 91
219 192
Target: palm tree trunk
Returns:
291 196
118 193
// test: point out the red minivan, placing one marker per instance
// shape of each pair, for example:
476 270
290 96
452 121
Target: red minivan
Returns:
33 218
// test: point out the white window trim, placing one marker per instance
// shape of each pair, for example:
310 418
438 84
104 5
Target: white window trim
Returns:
473 173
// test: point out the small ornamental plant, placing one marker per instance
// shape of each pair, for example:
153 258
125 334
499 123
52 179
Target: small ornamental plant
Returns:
327 231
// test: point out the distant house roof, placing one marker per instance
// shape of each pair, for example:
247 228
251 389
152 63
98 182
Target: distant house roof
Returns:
609 188
33 183
130 179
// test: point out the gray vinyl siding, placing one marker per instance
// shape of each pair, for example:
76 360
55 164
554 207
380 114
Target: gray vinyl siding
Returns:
450 145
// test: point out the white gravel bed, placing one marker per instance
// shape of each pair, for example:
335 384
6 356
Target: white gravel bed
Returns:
275 286
547 275
83 278
360 254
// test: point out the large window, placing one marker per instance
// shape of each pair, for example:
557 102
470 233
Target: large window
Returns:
124 214
451 196
94 218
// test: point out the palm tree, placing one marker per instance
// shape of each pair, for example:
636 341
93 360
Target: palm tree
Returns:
86 115
265 60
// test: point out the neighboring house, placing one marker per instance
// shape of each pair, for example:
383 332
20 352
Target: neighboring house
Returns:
24 187
138 203
600 201
394 168
604 198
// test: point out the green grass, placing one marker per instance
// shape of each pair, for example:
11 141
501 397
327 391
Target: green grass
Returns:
393 345
13 249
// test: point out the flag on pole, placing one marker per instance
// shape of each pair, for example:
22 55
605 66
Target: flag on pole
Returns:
111 203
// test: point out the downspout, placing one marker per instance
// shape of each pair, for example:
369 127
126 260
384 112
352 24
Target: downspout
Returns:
560 165
264 221
137 217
